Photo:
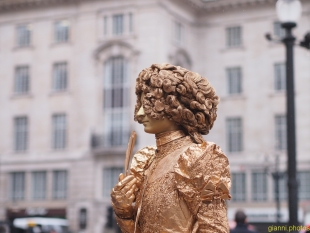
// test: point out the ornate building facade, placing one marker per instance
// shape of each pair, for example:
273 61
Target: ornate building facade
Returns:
68 72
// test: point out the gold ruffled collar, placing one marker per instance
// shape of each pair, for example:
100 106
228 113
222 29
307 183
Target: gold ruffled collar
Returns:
169 136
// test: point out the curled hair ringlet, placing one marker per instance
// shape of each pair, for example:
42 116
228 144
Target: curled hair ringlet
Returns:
180 95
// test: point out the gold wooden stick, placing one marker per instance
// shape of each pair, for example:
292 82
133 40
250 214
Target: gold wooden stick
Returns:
131 144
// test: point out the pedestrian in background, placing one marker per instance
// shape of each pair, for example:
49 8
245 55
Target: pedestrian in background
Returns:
242 226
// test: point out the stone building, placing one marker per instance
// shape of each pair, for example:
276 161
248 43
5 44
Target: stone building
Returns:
68 70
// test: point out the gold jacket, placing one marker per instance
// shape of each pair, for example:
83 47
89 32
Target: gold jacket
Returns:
184 188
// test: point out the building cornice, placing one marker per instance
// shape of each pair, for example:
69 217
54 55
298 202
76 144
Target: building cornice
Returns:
220 5
226 3
7 5
197 5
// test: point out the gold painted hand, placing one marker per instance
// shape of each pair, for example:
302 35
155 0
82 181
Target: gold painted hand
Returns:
123 196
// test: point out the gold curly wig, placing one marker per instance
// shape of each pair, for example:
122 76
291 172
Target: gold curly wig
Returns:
180 95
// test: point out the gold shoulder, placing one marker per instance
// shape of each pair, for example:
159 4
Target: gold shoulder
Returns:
204 169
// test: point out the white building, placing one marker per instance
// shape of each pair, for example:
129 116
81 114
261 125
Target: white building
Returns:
68 72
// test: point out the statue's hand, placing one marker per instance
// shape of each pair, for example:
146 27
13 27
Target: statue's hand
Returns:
123 196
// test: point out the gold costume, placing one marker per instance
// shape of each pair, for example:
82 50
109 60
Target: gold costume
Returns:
184 187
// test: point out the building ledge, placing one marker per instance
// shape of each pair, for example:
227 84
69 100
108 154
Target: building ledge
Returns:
104 151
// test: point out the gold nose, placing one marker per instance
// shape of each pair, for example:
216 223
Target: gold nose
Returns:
141 111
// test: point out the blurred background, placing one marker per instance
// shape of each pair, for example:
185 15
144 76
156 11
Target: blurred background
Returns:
68 70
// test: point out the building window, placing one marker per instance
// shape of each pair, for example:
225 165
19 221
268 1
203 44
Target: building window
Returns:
23 35
110 179
259 186
21 80
234 80
116 102
280 132
130 22
278 30
60 184
279 76
233 36
234 134
282 187
178 32
238 189
61 31
20 133
105 25
59 131
38 185
304 185
60 76
118 24
83 219
18 186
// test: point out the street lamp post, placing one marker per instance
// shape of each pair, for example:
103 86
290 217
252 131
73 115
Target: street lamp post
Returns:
277 176
288 13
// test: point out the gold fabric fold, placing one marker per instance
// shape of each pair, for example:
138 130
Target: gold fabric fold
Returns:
203 170
142 160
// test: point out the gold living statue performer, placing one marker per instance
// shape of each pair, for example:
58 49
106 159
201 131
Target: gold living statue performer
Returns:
182 184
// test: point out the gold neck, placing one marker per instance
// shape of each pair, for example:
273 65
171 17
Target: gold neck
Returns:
169 136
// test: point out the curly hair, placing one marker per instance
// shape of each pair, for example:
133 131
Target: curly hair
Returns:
179 95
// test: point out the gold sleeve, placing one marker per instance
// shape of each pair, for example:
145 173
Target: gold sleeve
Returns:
126 225
203 180
212 217
140 162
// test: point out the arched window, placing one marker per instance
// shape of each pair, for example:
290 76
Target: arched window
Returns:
116 102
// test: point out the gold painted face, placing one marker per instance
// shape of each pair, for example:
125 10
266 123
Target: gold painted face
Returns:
154 126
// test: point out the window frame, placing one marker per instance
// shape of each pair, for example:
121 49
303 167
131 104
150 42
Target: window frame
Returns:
234 36
178 32
279 71
36 195
58 194
21 133
130 23
21 79
283 191
60 76
110 179
278 30
118 24
304 186
61 32
234 80
23 40
259 194
280 132
18 194
238 186
59 128
107 24
234 135
116 112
